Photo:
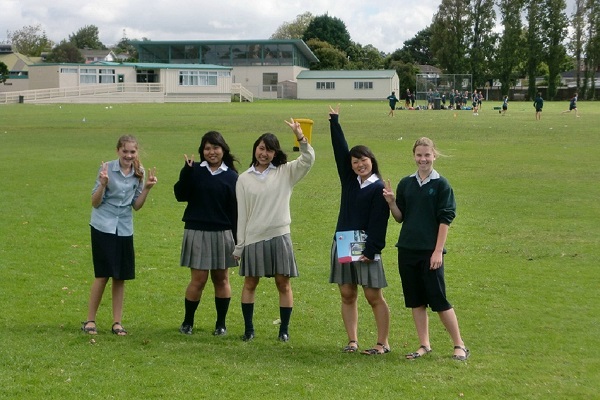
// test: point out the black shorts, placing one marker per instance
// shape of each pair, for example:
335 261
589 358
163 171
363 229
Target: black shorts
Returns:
422 286
113 255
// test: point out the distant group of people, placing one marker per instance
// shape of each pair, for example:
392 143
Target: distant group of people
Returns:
458 100
244 220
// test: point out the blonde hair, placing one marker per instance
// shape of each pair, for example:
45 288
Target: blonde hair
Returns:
425 141
138 168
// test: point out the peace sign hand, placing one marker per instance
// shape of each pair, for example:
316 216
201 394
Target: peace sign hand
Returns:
103 174
151 181
189 161
296 128
335 111
388 193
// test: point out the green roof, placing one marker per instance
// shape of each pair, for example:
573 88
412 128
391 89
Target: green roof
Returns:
353 74
299 43
144 65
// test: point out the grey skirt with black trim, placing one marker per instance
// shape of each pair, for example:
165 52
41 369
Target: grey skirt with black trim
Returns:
371 274
269 257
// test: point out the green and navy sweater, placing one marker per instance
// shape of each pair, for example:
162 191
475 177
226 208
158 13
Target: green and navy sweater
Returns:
360 209
423 209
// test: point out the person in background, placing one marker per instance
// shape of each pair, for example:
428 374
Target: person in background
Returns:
119 188
407 99
538 103
210 219
264 244
362 208
504 105
572 106
424 203
392 99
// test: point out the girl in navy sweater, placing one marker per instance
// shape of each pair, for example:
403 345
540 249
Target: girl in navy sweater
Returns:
210 219
362 207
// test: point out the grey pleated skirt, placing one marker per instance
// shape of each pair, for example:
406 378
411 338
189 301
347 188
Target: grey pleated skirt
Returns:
207 250
371 275
269 257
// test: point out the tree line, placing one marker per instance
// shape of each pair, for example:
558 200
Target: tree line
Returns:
502 40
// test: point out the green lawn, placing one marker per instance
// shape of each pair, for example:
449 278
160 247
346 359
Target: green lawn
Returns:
521 268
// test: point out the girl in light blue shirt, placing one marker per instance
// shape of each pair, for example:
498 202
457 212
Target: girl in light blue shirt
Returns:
119 188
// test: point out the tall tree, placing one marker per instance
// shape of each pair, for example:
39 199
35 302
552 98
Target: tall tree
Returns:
554 23
294 29
592 49
449 31
3 72
407 73
534 45
30 40
65 52
510 49
329 57
416 50
87 37
482 40
328 29
364 57
577 42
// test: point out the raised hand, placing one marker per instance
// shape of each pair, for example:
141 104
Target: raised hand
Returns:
151 181
388 193
296 128
335 110
103 174
189 161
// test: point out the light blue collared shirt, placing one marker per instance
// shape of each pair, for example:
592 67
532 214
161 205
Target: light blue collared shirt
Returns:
114 214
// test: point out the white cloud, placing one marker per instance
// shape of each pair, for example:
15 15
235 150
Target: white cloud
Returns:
384 24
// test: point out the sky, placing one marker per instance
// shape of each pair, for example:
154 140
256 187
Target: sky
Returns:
381 23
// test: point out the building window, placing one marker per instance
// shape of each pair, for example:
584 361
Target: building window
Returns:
325 85
198 78
107 76
363 85
68 70
270 81
147 76
88 76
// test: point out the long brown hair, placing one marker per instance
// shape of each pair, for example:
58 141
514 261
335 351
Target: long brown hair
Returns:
138 168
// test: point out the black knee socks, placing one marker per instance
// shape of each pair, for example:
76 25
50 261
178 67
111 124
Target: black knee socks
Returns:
248 312
222 306
284 315
190 310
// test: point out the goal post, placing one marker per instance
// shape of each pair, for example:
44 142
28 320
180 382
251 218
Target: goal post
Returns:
442 84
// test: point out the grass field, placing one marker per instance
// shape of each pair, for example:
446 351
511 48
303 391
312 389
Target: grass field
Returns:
522 262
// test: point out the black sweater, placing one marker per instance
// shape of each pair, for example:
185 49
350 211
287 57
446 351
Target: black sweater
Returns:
360 209
212 204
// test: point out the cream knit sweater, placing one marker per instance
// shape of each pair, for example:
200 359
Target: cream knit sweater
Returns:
264 204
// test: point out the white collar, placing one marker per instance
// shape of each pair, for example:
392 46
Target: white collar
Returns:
371 179
221 168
